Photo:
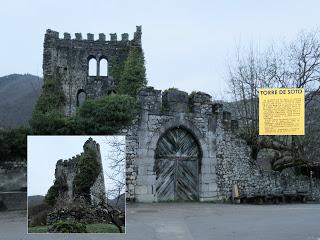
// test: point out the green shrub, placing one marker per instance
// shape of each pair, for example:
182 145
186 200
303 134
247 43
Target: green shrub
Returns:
13 144
66 227
53 192
105 116
169 90
50 123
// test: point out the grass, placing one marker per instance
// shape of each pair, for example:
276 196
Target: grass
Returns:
102 228
38 229
91 228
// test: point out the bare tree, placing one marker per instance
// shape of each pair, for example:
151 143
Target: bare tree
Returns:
116 179
294 65
117 158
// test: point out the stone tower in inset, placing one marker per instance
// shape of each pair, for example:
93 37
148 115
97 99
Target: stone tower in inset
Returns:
66 171
69 60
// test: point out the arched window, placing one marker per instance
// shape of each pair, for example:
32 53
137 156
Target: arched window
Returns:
92 71
81 97
103 67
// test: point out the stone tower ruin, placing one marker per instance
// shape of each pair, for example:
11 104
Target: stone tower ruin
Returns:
69 60
66 171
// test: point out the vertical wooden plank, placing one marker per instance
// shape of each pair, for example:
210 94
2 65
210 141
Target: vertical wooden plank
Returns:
176 166
165 188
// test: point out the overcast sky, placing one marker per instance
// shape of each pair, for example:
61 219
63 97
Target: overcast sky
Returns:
45 151
187 44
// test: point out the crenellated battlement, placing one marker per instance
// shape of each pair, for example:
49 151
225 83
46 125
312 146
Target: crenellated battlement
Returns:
72 162
90 37
173 100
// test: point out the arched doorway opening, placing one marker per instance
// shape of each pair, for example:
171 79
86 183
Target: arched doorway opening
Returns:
81 97
177 160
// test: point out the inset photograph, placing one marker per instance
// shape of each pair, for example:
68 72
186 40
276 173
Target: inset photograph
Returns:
76 184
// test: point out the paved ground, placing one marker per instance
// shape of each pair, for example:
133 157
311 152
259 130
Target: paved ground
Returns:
196 221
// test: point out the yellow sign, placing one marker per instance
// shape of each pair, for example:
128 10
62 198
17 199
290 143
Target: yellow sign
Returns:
281 111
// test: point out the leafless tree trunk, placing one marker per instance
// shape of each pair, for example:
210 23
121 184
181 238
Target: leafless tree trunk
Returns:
116 178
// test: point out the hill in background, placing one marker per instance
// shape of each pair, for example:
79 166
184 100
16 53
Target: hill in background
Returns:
18 96
35 200
118 202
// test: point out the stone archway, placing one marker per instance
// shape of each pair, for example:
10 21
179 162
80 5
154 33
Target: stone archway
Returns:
177 159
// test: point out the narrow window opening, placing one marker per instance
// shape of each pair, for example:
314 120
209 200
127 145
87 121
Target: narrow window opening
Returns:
81 97
92 71
103 67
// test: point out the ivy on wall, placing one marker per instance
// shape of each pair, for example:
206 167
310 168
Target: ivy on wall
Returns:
54 190
48 117
52 97
87 171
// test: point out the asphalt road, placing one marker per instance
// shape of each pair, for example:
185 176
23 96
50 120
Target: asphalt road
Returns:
195 221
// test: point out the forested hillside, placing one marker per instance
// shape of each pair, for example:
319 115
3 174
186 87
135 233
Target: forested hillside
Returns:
18 96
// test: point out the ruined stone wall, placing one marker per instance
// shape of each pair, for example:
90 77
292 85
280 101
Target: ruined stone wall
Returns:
234 166
225 157
67 60
97 190
13 185
173 109
13 175
66 171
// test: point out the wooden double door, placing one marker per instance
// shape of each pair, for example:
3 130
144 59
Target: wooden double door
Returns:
177 166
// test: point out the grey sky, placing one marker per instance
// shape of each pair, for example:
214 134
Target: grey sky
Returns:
45 151
187 44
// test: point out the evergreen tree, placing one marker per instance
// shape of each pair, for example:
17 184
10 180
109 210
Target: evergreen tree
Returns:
134 73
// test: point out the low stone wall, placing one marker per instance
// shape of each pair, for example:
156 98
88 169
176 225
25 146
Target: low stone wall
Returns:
13 201
13 185
234 166
13 176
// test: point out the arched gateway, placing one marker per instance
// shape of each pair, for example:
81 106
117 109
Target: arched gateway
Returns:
177 160
172 148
